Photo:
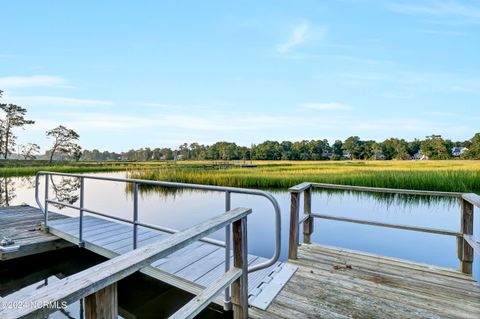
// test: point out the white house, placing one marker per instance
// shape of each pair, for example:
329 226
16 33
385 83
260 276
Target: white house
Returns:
457 151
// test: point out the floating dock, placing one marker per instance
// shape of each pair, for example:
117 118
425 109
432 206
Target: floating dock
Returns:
22 224
191 268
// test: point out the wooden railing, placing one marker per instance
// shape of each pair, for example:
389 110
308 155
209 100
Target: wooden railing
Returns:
98 284
466 244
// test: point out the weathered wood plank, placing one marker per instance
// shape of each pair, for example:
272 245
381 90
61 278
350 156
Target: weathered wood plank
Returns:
240 261
195 306
466 227
338 283
472 198
299 188
22 224
473 243
89 281
307 210
293 237
103 304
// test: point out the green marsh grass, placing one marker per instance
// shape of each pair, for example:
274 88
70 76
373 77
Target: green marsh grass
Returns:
454 176
32 170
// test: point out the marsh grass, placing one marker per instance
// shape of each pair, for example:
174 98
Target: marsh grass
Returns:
454 176
32 170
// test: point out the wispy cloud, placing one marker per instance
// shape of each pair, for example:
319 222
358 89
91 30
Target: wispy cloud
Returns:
439 9
329 106
14 82
54 101
298 35
443 32
413 81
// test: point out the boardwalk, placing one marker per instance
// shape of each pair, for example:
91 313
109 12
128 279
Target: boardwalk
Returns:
338 283
191 268
22 224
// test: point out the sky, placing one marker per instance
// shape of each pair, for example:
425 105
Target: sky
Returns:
131 74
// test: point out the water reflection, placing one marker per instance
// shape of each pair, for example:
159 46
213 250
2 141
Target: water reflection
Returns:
386 199
183 208
65 190
7 191
405 201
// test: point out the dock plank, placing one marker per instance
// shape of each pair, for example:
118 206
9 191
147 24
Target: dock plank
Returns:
191 268
338 283
22 224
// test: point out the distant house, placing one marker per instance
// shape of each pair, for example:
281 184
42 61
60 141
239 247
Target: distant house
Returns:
328 155
378 155
346 155
457 151
420 157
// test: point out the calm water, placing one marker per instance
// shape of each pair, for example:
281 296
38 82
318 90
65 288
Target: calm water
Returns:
139 296
185 208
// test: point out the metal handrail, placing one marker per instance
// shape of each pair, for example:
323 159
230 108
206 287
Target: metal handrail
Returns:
227 190
466 243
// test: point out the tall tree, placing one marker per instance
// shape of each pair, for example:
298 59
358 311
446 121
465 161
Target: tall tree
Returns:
14 117
434 147
353 145
64 141
474 150
29 150
337 149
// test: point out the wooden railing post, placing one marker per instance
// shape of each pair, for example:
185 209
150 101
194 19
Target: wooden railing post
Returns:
293 239
103 304
307 209
464 250
240 260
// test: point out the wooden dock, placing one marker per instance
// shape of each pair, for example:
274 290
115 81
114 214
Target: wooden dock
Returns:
339 283
315 282
191 269
22 224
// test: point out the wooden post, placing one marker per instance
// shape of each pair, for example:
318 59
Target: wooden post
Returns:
307 209
240 260
103 304
464 250
293 239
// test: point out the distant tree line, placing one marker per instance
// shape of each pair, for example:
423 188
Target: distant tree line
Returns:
65 147
432 147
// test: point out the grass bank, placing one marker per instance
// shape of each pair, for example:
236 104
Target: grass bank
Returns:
455 176
10 171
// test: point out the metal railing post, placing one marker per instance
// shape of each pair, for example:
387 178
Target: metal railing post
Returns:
82 204
135 214
45 222
227 301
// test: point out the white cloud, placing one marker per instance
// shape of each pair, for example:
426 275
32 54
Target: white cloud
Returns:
54 101
299 34
329 106
14 82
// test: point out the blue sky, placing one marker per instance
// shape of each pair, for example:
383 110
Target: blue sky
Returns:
129 74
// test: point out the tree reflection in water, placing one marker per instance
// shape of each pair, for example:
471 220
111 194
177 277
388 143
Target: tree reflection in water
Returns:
65 189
